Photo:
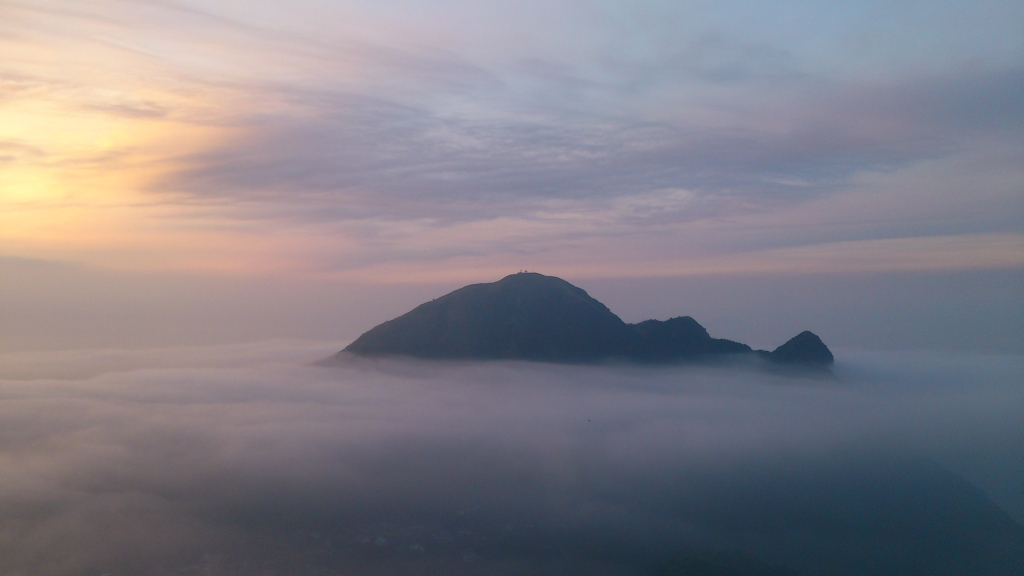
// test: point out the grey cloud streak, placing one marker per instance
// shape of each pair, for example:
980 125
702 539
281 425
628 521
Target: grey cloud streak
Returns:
254 463
352 156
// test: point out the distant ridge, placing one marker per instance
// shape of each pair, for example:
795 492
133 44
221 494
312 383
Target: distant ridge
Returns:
529 316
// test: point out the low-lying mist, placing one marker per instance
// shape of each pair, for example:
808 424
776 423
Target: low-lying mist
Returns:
251 460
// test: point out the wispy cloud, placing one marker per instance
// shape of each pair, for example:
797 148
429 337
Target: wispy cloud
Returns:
365 128
355 156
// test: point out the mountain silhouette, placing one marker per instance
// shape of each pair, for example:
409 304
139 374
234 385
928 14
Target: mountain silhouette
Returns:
805 348
529 316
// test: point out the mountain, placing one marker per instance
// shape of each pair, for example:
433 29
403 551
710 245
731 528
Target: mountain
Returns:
529 316
523 316
805 348
677 338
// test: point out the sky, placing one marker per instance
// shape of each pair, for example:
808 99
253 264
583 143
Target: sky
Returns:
181 172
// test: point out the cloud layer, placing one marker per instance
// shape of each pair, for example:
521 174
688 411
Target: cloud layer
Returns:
356 140
245 459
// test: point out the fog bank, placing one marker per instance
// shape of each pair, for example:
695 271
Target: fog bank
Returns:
248 459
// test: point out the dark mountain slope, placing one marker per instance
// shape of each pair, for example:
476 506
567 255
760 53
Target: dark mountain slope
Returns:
522 316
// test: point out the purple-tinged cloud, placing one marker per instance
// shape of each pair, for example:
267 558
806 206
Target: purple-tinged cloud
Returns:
350 156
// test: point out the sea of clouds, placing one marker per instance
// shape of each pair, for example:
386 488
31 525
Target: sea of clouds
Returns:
250 459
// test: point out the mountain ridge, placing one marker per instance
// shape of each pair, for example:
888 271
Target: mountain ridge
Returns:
530 316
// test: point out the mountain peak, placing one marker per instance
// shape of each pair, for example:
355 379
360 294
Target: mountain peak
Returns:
525 316
804 348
